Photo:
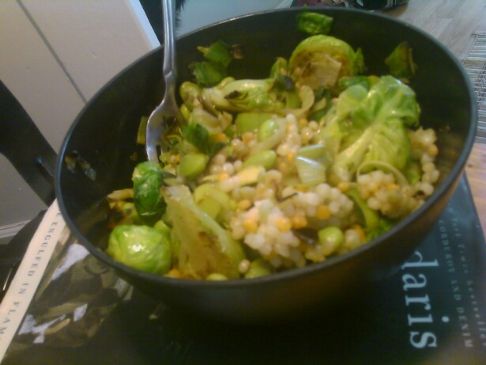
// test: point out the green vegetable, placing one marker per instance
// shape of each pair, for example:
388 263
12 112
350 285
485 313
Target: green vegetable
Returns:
185 112
371 219
313 151
141 130
266 159
212 200
210 207
190 93
141 247
147 180
250 122
330 238
338 123
216 277
205 247
365 81
400 62
199 137
383 226
218 53
248 176
322 60
413 172
314 23
163 228
207 73
215 68
258 267
311 172
270 134
279 68
268 129
123 213
192 165
245 96
368 127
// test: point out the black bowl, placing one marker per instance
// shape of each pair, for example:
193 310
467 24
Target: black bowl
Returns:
103 136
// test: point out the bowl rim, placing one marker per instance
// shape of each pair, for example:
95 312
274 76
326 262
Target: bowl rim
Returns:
440 190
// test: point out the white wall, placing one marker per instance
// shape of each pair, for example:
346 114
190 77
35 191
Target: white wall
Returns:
55 54
195 13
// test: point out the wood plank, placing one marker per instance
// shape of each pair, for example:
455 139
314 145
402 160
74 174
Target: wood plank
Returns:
453 22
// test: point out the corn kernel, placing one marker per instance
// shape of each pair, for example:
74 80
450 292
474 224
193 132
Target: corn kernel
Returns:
174 273
223 176
303 122
220 137
299 221
391 186
247 137
244 204
283 224
290 156
433 150
323 212
361 234
343 186
301 188
250 225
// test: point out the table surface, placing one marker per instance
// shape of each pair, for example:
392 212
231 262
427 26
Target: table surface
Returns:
453 23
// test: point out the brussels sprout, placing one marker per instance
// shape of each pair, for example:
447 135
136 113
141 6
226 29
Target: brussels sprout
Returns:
244 95
141 247
279 68
205 247
322 60
314 23
218 53
369 127
348 81
147 180
215 68
199 137
190 93
162 227
400 62
208 73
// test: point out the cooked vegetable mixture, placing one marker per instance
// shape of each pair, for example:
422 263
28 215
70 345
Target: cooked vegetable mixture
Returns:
272 174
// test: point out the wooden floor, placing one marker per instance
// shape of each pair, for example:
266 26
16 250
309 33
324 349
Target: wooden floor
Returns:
453 22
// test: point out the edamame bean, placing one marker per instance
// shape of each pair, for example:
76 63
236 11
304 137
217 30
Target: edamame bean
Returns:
250 122
266 159
192 165
330 238
258 268
267 129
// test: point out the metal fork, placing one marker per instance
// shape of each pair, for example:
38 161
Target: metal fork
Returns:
167 111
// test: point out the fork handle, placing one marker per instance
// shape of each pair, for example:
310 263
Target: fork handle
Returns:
168 67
